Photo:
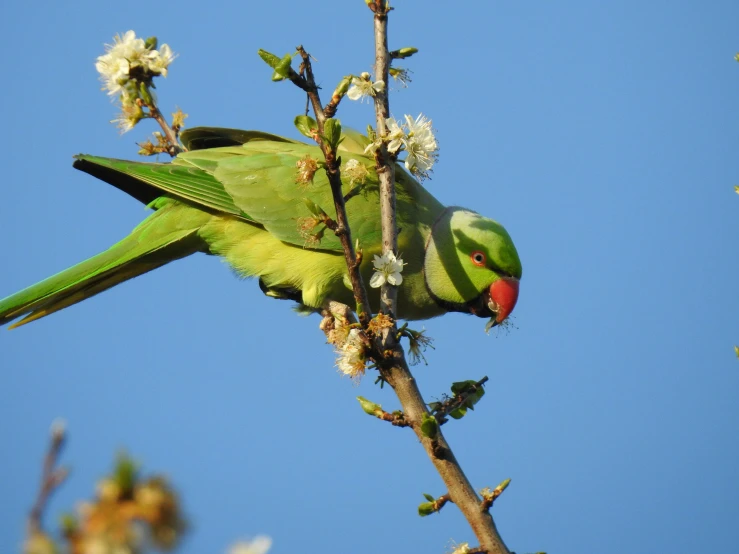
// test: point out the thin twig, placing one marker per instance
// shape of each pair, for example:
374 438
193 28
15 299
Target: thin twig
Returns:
51 477
333 172
395 419
169 133
489 496
457 401
441 501
384 164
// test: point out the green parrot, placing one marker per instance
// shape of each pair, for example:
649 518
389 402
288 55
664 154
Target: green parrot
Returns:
248 197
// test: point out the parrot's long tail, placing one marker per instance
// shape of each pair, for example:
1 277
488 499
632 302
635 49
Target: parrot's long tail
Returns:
168 234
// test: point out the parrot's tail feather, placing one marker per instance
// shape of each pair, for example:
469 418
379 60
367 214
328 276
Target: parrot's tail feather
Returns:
163 237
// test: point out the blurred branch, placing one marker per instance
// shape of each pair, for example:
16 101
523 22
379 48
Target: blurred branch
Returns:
51 477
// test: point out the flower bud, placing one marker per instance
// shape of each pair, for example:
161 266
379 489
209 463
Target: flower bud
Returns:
369 407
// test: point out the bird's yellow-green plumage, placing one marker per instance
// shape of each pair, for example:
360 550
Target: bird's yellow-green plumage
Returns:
239 195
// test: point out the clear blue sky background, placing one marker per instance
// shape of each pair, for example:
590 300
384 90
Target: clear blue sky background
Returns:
604 136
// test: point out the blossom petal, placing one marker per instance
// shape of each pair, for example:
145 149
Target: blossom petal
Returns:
377 280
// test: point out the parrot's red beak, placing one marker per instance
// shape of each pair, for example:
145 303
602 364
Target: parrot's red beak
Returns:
503 297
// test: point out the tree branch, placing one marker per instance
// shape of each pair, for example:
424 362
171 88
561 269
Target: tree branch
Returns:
333 172
388 353
174 147
51 477
385 165
393 366
456 401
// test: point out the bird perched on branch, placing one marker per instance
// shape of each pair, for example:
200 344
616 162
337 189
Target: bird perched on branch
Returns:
261 202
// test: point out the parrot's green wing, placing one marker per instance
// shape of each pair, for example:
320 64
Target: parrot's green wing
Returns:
253 176
263 185
146 182
256 181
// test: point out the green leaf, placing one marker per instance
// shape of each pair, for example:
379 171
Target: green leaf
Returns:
406 52
125 473
68 523
429 426
269 58
434 406
736 349
459 413
332 133
280 65
314 208
429 497
426 509
306 125
282 69
463 387
466 387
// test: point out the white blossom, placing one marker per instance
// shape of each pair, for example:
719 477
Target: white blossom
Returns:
126 53
362 87
115 65
387 269
259 545
416 137
351 356
355 171
159 60
131 113
125 122
461 548
421 145
395 135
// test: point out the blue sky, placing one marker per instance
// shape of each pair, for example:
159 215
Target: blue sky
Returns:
603 136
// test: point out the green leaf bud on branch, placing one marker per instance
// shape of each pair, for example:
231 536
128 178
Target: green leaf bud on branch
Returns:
315 209
369 407
332 133
307 126
282 70
403 53
433 505
429 426
341 88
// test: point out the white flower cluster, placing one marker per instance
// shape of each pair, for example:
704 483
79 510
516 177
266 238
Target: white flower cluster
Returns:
416 137
362 87
127 55
388 269
351 359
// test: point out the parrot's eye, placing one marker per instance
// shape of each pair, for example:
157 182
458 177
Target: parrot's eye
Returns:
478 258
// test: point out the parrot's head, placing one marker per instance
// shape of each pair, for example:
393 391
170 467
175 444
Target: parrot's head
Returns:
470 265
